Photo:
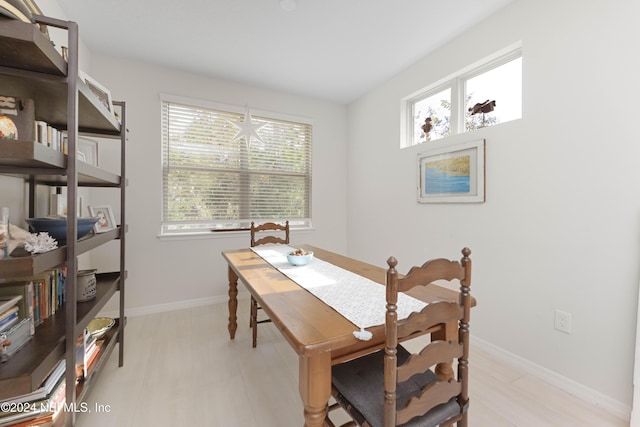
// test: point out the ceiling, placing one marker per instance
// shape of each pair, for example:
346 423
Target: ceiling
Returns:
334 50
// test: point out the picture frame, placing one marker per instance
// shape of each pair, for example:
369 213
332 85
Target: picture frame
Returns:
452 173
102 93
89 150
107 221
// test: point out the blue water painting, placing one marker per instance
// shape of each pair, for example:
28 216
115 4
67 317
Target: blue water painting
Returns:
437 182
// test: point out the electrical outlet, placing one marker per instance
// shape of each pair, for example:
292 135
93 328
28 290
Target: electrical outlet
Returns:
563 321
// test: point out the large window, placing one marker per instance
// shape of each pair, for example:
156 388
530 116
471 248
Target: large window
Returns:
484 94
223 168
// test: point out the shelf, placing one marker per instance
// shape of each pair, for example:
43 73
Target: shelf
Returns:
25 47
50 97
27 266
110 339
29 367
32 68
22 159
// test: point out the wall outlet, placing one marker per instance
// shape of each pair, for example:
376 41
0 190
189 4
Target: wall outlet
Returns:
563 321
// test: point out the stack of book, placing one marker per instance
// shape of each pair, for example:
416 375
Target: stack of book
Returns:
15 329
87 350
24 305
41 407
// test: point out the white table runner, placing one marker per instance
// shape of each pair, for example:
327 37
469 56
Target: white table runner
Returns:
358 299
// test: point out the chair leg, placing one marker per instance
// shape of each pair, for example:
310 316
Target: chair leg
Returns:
254 321
464 420
251 312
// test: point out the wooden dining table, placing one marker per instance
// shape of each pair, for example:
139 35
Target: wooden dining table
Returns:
320 335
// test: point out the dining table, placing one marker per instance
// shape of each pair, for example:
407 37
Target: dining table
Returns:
319 335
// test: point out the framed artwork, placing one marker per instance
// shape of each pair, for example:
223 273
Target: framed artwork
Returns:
89 149
102 93
106 221
452 173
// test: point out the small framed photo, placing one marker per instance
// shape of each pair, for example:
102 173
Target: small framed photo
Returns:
452 173
89 149
106 221
102 93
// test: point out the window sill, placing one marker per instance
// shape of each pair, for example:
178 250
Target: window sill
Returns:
220 234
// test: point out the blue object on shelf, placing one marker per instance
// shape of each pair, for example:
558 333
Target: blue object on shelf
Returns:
57 227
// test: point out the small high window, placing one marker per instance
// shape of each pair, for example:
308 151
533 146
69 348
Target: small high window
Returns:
482 95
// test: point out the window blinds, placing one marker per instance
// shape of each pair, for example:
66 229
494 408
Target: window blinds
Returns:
211 180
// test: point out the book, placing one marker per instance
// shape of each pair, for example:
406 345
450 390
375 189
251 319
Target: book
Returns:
9 319
45 389
8 301
9 313
41 412
25 305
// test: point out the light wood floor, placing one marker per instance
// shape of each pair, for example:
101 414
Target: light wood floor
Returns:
181 369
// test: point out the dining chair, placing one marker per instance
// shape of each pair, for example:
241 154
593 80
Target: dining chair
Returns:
393 387
269 232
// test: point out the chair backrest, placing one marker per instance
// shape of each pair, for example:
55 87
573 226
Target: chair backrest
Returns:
271 238
434 352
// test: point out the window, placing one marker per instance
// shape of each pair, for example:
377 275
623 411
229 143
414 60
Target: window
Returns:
485 94
215 177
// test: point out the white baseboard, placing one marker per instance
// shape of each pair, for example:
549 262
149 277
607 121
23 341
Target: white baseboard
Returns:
161 308
572 387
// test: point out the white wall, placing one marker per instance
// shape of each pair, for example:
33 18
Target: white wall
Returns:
173 271
559 228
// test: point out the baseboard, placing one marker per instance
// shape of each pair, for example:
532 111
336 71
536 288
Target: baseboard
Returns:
161 308
572 387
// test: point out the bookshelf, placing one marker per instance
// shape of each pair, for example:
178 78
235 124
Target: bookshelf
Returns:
32 68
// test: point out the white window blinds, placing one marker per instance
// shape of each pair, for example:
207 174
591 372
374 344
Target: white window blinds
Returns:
214 180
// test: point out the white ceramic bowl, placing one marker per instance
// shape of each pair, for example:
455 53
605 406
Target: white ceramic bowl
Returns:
300 259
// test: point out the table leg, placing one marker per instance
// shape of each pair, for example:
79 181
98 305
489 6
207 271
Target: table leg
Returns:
233 303
315 387
444 371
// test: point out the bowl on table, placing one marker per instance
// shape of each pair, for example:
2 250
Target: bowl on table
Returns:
57 227
299 257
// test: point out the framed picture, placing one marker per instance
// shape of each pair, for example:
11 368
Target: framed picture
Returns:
102 93
107 221
89 149
452 173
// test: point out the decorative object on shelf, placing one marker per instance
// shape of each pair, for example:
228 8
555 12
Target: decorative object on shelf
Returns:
4 232
17 118
100 325
13 339
102 93
57 227
106 220
89 148
40 243
86 285
58 204
452 174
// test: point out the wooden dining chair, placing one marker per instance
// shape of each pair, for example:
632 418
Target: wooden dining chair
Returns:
393 387
273 233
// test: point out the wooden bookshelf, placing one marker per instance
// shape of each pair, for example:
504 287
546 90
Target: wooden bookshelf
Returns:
32 68
30 366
